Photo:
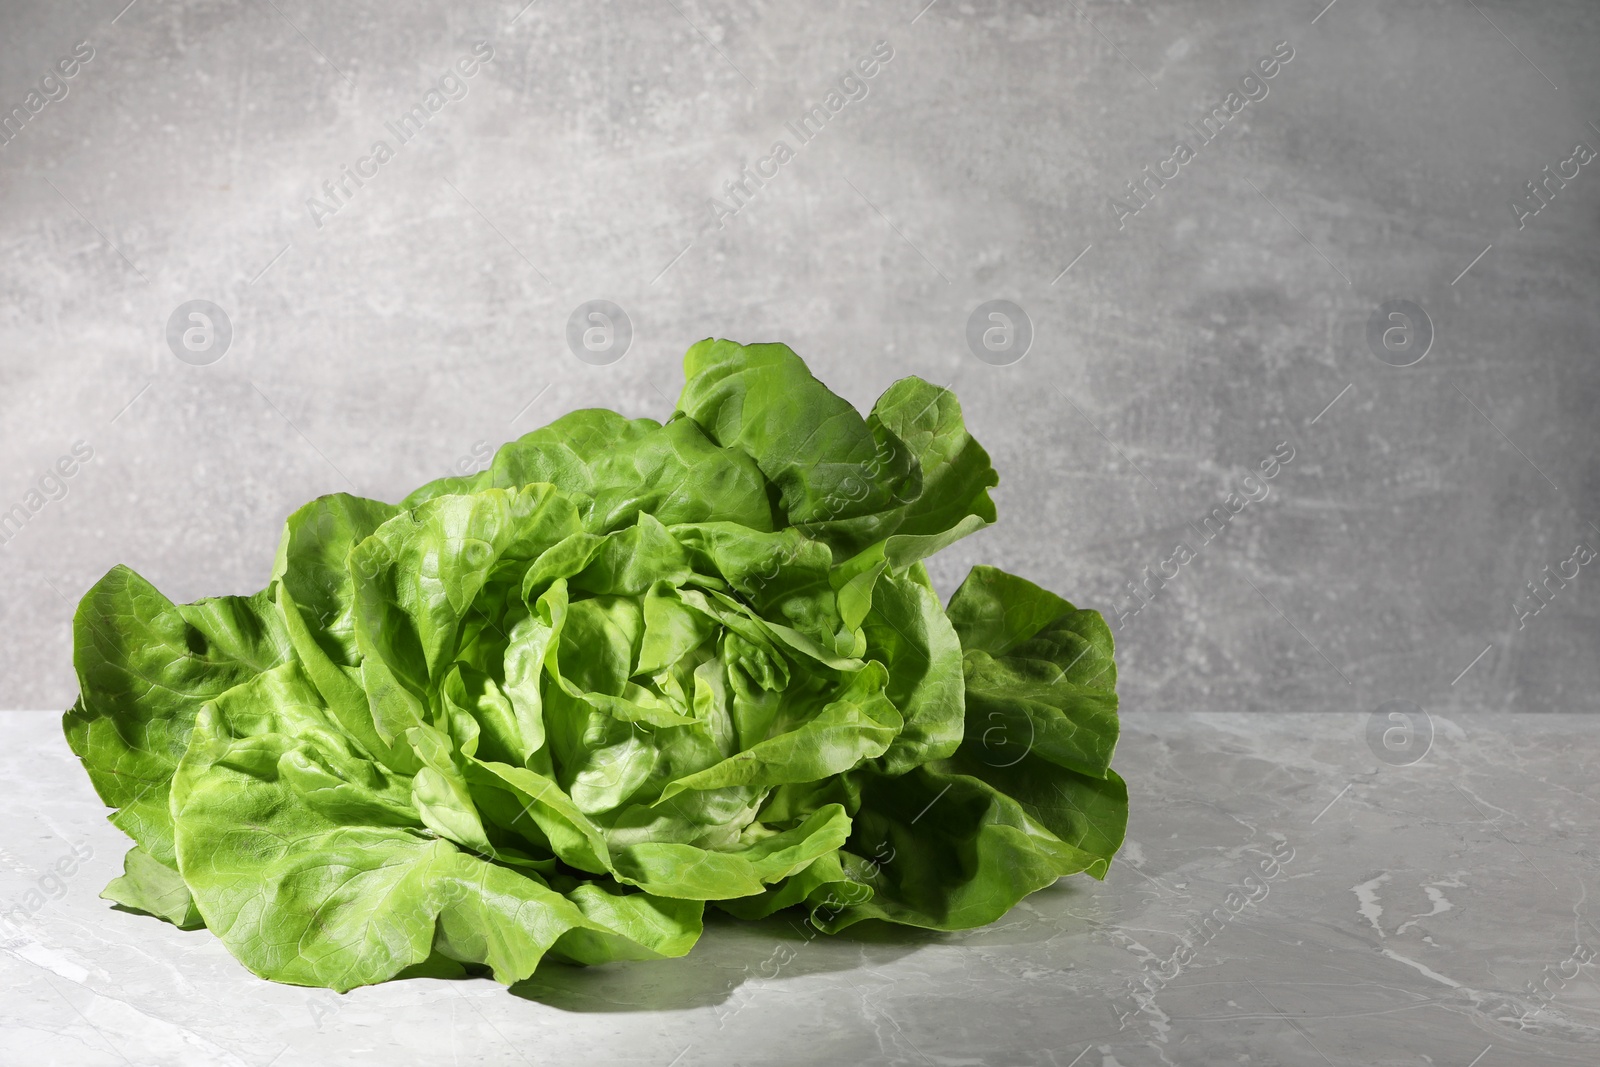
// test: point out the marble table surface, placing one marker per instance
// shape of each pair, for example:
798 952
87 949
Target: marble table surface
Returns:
1292 892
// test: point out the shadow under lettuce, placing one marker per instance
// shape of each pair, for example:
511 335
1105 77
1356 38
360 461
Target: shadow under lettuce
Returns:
731 953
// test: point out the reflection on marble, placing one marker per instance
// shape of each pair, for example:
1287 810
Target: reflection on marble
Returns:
1284 898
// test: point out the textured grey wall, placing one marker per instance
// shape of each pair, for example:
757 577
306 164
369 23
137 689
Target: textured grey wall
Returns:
381 338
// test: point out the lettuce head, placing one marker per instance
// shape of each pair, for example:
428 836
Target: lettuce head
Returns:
553 709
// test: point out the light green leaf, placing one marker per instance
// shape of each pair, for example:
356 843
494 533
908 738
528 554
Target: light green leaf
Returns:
145 666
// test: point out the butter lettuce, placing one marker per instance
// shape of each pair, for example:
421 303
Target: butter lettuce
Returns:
553 709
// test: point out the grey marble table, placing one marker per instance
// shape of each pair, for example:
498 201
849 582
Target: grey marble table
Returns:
1287 895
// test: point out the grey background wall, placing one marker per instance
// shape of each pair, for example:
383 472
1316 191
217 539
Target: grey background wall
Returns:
376 346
